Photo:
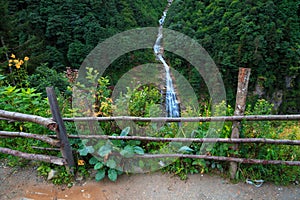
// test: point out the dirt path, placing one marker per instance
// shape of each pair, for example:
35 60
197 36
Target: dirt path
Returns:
24 184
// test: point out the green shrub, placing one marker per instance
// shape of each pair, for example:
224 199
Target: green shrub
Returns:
26 101
145 101
280 174
45 77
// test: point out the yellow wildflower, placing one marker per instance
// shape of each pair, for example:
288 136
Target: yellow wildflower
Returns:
13 55
10 61
80 162
10 64
16 61
18 65
26 58
21 62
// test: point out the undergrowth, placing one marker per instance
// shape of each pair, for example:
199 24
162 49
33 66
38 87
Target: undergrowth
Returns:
106 157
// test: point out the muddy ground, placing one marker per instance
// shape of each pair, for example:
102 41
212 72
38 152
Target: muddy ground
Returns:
24 184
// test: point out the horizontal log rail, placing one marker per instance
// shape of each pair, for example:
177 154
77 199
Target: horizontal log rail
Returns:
29 156
51 124
45 148
46 122
43 138
188 119
221 158
200 140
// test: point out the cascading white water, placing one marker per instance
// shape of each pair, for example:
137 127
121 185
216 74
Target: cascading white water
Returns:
172 105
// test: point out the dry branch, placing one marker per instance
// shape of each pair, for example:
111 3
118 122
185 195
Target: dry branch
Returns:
45 148
44 158
222 158
6 119
200 140
30 135
188 119
49 123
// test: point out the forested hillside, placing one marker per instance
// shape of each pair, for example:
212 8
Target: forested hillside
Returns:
62 33
261 35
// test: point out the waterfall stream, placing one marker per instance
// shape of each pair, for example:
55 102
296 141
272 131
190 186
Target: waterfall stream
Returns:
172 105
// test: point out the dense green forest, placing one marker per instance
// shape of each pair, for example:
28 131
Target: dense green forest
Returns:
261 35
62 33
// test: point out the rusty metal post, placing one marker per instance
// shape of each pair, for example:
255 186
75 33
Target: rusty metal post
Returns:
241 96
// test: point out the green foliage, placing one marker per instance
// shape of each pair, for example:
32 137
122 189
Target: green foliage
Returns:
46 77
107 155
279 174
261 35
142 101
265 129
95 91
61 175
184 166
62 34
17 71
26 101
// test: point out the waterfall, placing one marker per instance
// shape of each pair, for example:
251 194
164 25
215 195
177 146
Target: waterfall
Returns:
172 105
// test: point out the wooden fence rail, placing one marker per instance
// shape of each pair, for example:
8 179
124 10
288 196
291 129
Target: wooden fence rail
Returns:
61 140
43 138
30 156
54 141
14 116
188 119
189 140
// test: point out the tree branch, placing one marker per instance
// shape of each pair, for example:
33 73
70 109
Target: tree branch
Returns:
43 138
200 140
44 158
48 123
188 119
222 158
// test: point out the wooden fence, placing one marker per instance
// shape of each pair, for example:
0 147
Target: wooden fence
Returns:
61 141
56 124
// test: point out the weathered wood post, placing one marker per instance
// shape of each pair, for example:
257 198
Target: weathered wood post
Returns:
240 105
61 132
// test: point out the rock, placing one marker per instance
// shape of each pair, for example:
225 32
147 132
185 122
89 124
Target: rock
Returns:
51 174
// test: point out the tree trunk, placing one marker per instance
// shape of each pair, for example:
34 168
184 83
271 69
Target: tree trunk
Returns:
241 95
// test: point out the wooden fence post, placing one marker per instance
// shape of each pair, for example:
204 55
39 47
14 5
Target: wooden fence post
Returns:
61 132
241 95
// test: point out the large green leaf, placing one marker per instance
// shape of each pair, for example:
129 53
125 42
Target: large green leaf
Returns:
111 163
85 150
125 131
185 149
93 160
98 165
138 150
112 174
128 151
100 175
105 150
